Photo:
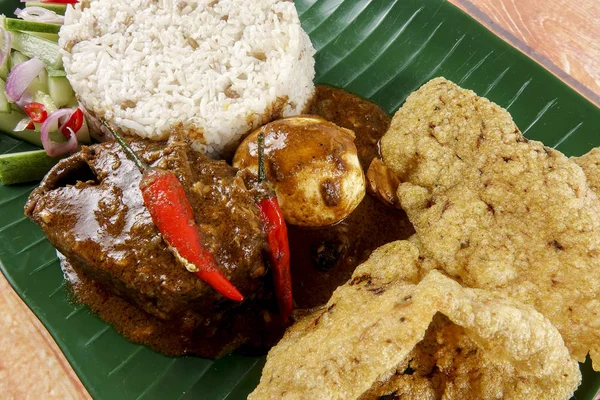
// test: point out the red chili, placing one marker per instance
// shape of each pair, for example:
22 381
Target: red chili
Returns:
279 248
171 211
36 111
74 123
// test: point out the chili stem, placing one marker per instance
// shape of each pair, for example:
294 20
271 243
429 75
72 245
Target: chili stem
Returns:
126 148
262 176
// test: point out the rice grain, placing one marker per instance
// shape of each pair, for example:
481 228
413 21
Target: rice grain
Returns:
218 67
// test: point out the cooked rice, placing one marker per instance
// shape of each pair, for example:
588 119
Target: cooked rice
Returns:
220 67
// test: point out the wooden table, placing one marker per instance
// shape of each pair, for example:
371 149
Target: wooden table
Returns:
562 35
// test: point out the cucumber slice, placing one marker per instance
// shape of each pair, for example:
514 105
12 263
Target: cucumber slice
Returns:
27 166
15 24
83 136
4 39
57 8
33 46
16 58
60 90
39 84
56 72
53 37
46 100
4 104
8 123
73 103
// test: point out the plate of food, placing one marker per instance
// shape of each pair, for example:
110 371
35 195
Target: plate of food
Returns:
386 198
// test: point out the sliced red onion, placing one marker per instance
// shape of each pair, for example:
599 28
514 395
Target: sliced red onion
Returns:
61 123
22 125
52 148
21 76
24 100
39 14
64 119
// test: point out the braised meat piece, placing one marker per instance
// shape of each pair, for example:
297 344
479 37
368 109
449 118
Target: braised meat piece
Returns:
91 209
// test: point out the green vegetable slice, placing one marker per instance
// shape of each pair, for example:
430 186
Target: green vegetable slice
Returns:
57 8
14 24
56 72
8 123
24 167
33 46
4 104
53 37
60 90
16 57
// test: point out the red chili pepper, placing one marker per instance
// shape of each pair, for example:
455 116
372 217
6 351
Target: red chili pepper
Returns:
279 248
171 211
74 123
36 111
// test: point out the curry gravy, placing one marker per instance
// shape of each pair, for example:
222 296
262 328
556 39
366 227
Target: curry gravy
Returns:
322 259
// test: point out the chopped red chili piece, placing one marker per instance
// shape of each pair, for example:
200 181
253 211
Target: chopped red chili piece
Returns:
279 251
36 111
171 211
74 123
279 248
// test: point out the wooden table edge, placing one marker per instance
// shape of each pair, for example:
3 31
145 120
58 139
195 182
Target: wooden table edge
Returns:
46 339
541 59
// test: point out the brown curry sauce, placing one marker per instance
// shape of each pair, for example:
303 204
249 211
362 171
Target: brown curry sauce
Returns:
322 258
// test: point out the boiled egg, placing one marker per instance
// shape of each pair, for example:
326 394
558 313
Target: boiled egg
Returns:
312 164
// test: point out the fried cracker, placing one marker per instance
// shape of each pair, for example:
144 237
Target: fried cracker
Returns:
365 330
495 210
590 163
355 346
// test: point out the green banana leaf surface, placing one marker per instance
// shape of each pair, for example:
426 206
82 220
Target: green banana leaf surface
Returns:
379 49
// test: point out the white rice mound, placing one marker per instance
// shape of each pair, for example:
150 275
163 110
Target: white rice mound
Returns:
220 67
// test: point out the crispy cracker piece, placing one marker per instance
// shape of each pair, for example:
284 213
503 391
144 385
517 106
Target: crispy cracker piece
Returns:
513 338
448 364
360 344
483 345
497 211
590 163
365 330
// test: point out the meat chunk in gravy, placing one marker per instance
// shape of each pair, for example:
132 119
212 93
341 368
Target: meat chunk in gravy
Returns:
91 209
